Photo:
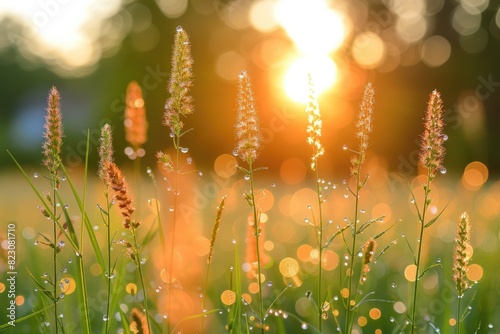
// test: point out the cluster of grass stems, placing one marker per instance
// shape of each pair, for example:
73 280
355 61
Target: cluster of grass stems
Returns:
243 316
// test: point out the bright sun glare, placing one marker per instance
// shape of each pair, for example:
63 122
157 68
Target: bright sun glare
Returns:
317 30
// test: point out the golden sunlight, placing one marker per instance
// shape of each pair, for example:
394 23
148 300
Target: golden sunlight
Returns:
322 69
316 30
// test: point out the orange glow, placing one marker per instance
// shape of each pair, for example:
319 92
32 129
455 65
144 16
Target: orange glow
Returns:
322 69
330 260
264 200
67 285
131 289
316 30
228 297
253 288
452 322
475 272
475 175
289 267
410 272
375 313
19 300
201 246
225 165
304 253
293 171
2 287
362 321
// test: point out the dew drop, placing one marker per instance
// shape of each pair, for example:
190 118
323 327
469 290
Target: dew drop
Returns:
178 29
269 283
442 170
394 286
36 289
66 206
189 160
143 260
362 210
306 220
171 209
243 74
35 175
70 261
105 317
221 311
247 177
273 185
35 243
63 178
345 147
490 326
200 173
412 201
346 195
438 260
184 150
61 244
235 153
304 326
172 135
61 296
403 235
445 137
391 319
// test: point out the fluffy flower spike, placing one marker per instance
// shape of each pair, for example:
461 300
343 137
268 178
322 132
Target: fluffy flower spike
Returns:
364 126
105 153
314 125
53 135
432 149
247 127
180 103
122 195
462 255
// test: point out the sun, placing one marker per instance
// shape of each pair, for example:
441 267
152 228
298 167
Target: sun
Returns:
317 30
323 72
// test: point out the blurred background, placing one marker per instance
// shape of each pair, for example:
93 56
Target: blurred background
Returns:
92 49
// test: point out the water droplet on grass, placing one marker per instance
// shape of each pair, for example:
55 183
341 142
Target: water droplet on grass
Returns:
345 147
304 326
184 150
105 317
36 175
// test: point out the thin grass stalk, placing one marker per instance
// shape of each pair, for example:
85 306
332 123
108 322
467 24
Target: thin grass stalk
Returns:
141 275
319 229
213 237
352 254
256 222
177 140
161 234
419 250
314 136
83 284
431 157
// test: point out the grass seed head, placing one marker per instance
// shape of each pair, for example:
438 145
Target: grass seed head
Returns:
248 137
53 135
122 195
180 103
462 256
105 152
314 125
432 149
364 127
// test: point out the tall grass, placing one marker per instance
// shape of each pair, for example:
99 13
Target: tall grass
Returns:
126 310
